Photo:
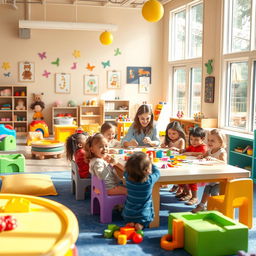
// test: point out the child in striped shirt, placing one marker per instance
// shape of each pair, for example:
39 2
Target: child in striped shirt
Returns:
140 176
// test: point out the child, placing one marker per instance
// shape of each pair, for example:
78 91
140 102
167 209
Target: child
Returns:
142 132
196 148
108 130
103 165
75 150
175 140
140 176
216 150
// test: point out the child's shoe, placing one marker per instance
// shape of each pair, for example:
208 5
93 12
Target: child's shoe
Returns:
200 207
192 201
174 188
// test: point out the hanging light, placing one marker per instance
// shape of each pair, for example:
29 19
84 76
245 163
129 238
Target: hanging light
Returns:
152 11
106 38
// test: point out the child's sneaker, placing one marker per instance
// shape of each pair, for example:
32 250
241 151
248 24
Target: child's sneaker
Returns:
200 207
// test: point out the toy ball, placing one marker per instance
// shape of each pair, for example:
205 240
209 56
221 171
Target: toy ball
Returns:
106 38
152 11
137 238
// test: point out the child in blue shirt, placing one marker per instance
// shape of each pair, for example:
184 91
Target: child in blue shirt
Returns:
143 131
140 176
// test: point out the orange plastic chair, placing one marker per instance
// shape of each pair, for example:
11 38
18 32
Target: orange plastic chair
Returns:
238 194
122 129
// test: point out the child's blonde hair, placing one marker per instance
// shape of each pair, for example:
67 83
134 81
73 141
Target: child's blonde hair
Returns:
221 137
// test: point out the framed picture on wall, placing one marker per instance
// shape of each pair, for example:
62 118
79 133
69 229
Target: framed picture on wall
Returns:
114 79
26 71
134 73
209 89
91 84
62 83
144 84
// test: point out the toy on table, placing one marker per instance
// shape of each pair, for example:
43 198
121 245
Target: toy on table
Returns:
37 106
20 105
39 126
7 142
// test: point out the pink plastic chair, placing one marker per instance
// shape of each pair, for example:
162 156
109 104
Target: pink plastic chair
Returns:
101 202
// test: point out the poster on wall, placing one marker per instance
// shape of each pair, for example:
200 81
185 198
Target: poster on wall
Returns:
134 73
144 84
62 83
209 89
26 71
91 84
114 79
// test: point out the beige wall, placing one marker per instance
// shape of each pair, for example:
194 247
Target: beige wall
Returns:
139 41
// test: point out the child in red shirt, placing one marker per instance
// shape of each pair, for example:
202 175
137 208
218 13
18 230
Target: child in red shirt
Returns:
196 147
75 150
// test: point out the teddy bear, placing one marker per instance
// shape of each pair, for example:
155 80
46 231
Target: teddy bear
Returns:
20 105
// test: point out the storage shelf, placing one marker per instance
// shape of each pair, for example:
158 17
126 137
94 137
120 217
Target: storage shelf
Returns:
90 115
109 111
240 154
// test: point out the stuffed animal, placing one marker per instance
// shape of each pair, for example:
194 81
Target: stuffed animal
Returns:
37 96
20 105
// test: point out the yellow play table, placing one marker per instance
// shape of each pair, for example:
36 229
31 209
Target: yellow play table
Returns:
50 228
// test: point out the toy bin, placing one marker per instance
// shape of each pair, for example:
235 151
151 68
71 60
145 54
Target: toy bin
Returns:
64 120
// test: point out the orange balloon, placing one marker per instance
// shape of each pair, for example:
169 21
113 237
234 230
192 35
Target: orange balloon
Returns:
106 38
152 11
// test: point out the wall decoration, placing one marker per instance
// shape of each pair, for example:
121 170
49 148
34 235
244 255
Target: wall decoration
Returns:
56 62
74 65
89 67
91 84
6 65
144 84
62 83
76 54
8 74
105 64
209 67
46 74
26 71
114 79
42 55
133 74
117 52
209 89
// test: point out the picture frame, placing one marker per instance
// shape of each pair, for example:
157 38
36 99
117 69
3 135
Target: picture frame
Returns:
114 79
144 84
26 71
134 73
91 84
62 83
209 89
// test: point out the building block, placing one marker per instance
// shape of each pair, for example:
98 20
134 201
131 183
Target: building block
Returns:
12 163
205 229
122 239
7 142
34 136
4 129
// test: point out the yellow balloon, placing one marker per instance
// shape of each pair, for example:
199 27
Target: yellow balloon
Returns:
152 11
106 38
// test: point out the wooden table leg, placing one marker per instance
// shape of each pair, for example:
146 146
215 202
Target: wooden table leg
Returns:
156 205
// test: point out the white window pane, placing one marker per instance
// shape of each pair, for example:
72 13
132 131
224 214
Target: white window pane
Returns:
238 95
196 31
254 97
179 91
179 35
240 32
196 81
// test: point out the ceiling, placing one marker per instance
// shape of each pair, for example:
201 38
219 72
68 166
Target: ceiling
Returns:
99 3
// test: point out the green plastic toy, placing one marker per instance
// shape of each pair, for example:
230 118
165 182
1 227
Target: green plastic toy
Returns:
12 163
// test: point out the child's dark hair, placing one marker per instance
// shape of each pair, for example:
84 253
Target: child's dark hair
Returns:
197 132
72 142
176 127
145 108
136 166
106 126
92 140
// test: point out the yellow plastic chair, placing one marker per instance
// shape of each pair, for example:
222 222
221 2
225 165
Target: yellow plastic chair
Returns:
238 194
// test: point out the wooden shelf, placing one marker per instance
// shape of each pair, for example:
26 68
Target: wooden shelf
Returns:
240 154
94 116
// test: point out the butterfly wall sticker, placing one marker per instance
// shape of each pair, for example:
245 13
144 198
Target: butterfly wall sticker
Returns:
56 62
7 74
105 64
42 55
76 54
46 74
6 65
74 65
90 67
117 52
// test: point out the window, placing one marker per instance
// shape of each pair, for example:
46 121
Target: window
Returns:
238 102
185 58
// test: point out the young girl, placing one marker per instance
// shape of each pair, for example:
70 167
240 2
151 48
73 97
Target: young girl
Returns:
108 130
175 140
103 165
140 176
75 150
216 150
142 132
196 148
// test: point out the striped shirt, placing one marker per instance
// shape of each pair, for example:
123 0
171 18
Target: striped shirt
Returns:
138 206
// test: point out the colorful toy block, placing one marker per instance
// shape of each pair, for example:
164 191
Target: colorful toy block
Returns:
12 163
205 229
7 142
62 132
6 129
39 126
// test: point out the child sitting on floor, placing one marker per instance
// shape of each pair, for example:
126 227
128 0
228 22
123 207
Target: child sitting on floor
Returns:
216 150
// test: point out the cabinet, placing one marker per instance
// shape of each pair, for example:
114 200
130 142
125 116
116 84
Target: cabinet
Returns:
14 107
188 123
90 114
242 159
113 108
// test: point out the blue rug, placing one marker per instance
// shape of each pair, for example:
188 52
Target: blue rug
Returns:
91 240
